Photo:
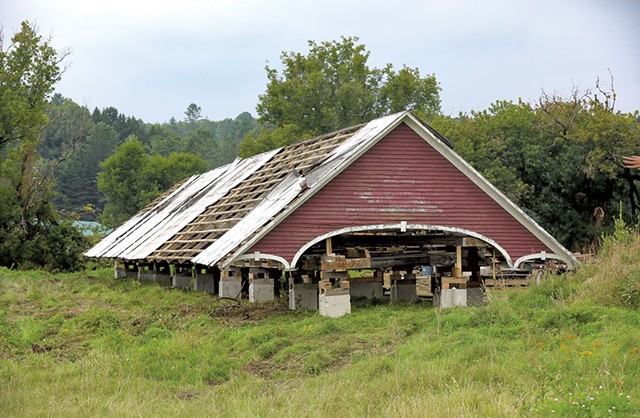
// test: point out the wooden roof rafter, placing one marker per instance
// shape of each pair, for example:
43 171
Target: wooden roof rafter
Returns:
218 218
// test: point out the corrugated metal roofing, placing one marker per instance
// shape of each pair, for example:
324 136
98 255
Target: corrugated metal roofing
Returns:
216 216
148 230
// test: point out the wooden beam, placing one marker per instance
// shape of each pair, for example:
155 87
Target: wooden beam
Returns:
457 269
341 263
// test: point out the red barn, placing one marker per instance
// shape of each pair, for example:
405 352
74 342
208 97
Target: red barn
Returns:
390 194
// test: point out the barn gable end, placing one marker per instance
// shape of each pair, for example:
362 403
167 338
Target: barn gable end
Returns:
401 178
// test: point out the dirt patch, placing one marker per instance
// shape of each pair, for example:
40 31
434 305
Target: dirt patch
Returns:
232 313
37 348
260 368
186 395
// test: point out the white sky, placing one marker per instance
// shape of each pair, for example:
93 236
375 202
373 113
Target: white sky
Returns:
151 59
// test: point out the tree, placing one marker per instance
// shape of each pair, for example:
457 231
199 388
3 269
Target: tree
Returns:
30 67
124 125
333 87
408 90
121 182
130 178
560 159
68 128
193 113
77 185
31 232
164 140
161 173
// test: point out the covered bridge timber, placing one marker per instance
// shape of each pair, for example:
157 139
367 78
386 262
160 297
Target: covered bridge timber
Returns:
390 194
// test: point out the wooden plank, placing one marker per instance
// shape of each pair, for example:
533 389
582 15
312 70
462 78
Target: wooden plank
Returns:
341 263
502 283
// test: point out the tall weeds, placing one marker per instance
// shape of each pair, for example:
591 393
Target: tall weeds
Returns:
613 279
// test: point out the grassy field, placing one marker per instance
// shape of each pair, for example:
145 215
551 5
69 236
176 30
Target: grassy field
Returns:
86 344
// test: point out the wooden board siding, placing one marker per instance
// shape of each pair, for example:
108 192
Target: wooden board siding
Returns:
401 178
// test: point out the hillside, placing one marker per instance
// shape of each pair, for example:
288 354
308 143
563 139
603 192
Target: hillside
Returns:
86 344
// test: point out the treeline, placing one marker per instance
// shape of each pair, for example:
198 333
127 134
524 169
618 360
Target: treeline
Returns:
134 160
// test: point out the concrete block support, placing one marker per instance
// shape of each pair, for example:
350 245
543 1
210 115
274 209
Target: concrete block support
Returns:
403 289
163 274
183 276
365 288
230 283
453 297
303 296
131 270
261 285
206 280
334 302
261 290
475 296
458 292
146 272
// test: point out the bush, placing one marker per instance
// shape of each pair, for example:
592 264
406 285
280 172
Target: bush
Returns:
46 242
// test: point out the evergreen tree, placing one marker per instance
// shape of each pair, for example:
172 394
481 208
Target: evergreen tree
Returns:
77 176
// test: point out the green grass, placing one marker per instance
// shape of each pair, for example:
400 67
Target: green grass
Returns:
86 344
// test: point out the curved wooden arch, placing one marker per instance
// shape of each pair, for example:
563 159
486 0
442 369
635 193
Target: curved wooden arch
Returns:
542 256
402 227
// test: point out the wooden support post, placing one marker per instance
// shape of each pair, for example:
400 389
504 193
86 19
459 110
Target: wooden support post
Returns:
457 269
473 264
329 246
493 267
119 269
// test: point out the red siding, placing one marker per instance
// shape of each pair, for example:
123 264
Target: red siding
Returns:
401 178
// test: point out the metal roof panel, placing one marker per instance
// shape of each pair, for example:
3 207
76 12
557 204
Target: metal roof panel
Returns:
147 231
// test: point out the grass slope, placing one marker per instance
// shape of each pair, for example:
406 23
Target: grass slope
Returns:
88 345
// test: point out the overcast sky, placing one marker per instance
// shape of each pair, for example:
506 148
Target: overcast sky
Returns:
151 59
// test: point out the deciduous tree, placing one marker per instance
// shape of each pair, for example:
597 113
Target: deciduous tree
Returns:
560 159
130 178
31 232
332 87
